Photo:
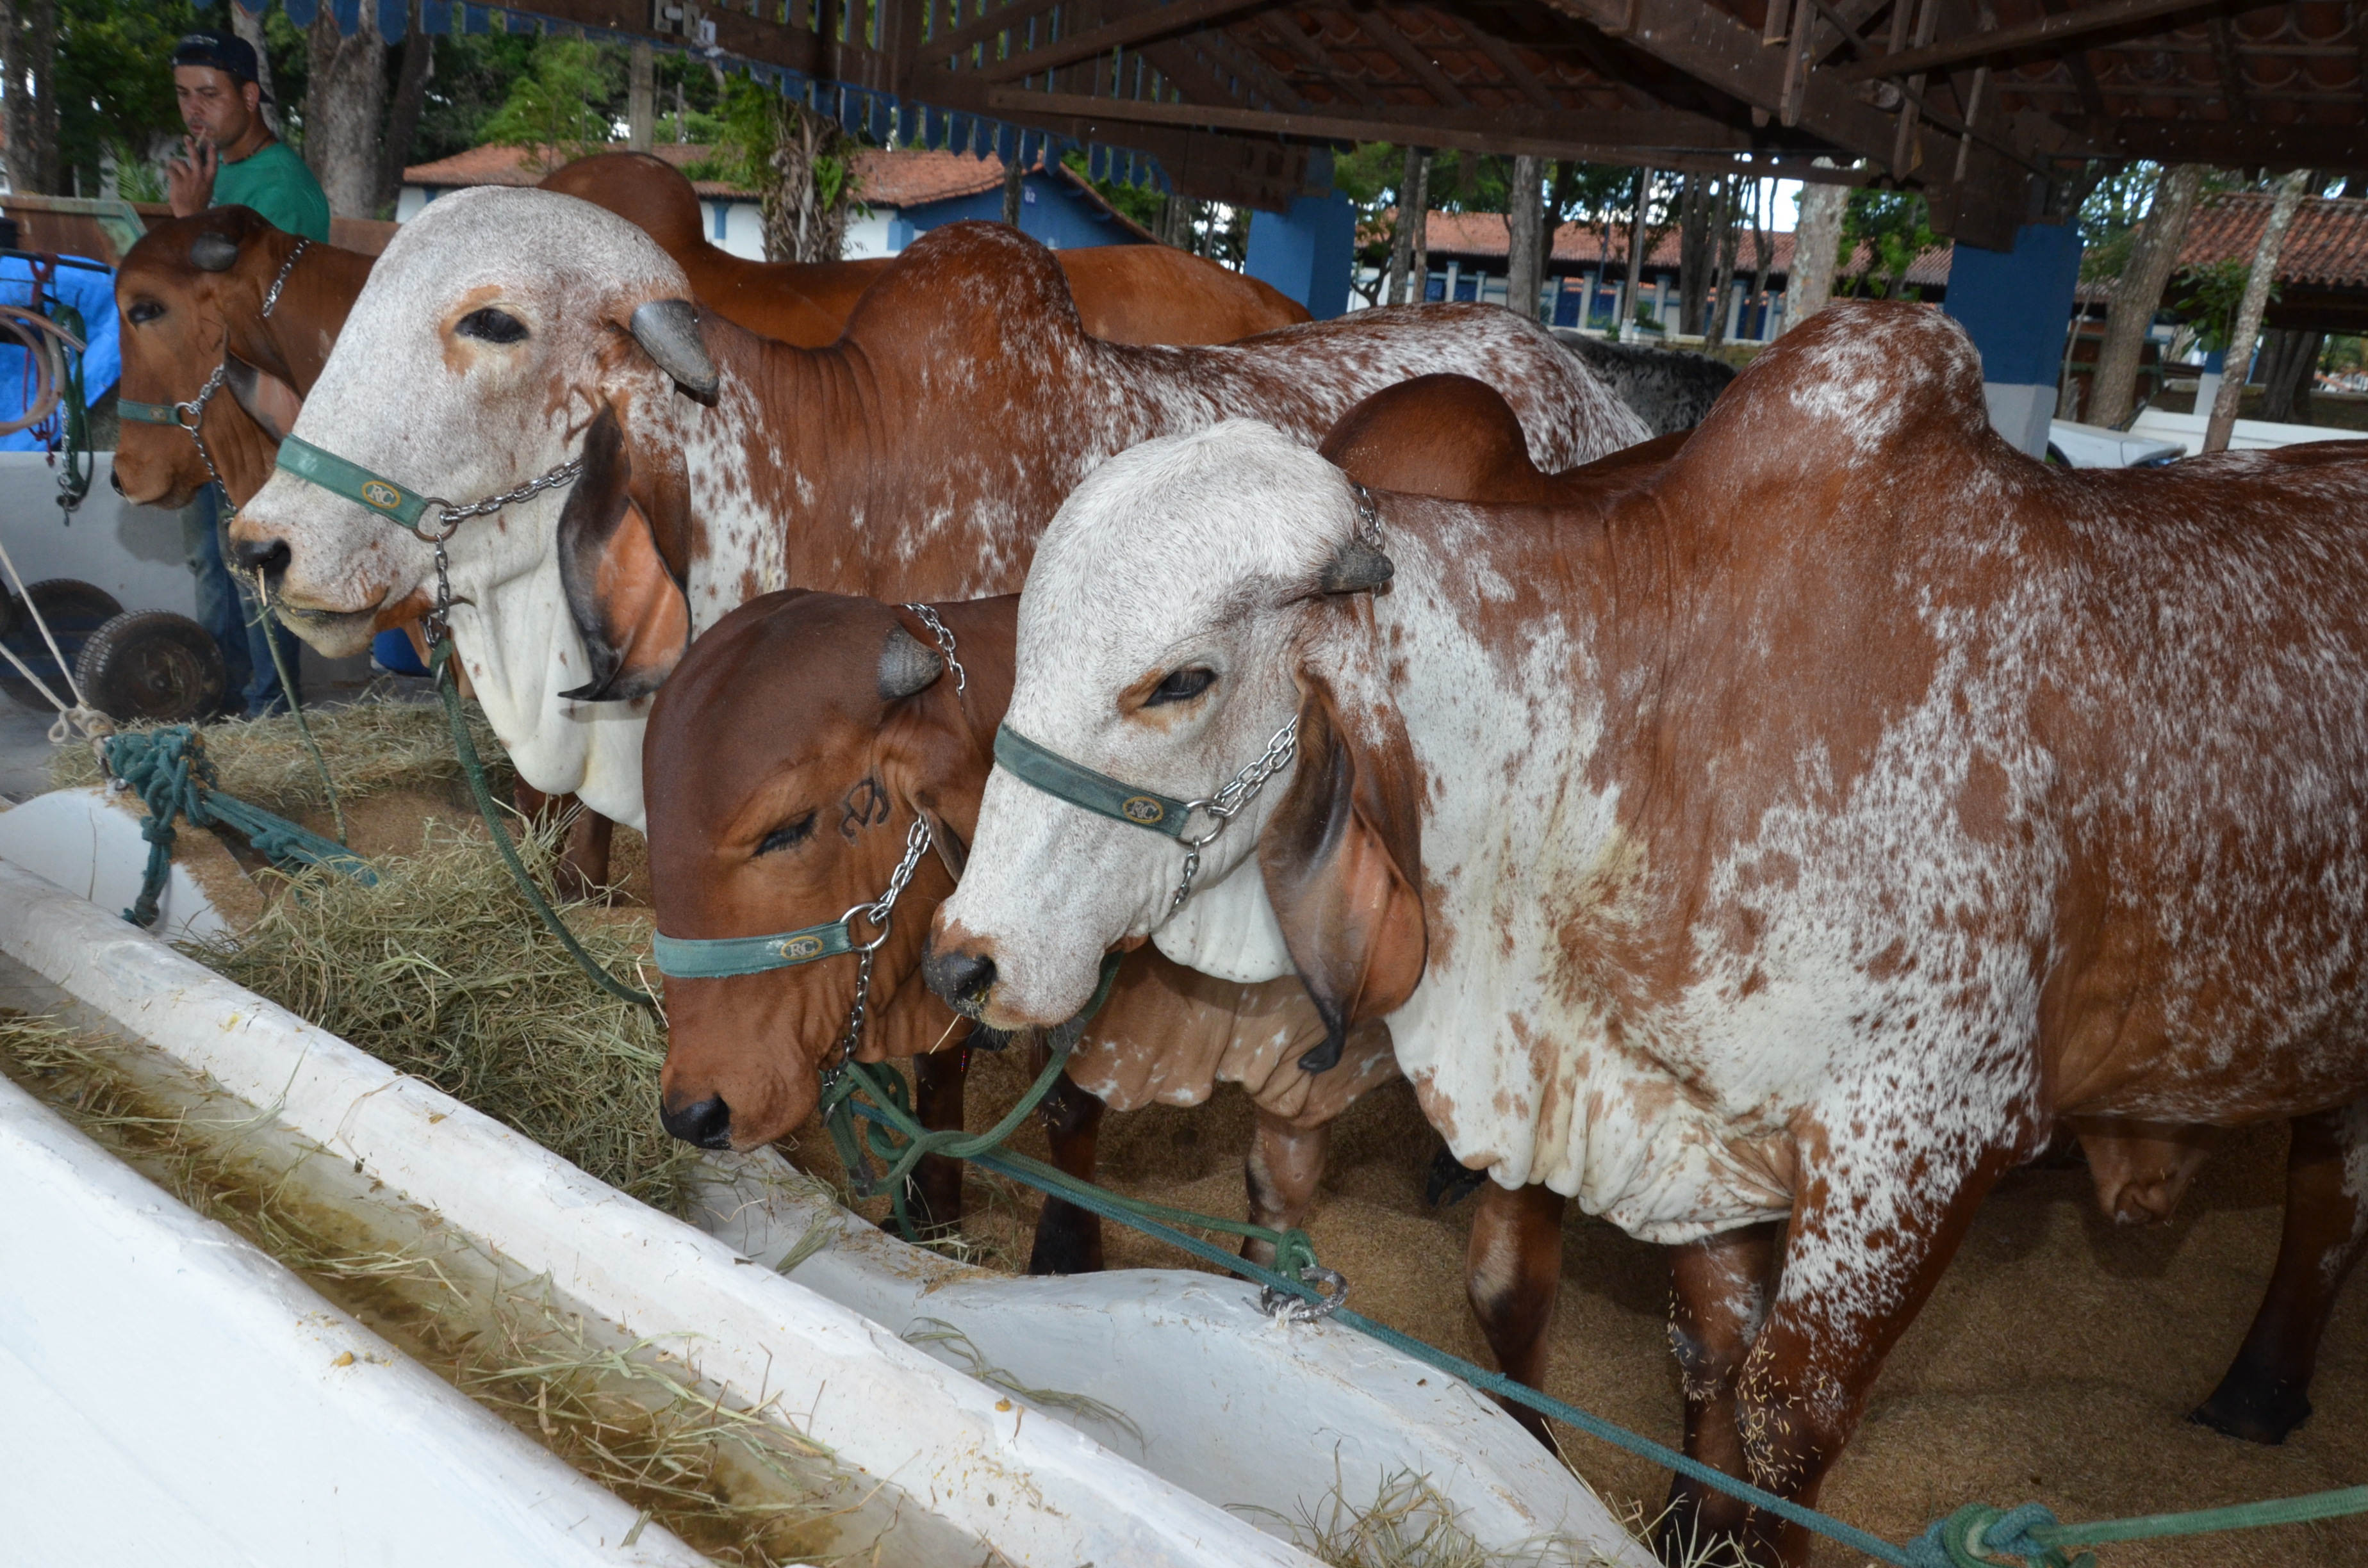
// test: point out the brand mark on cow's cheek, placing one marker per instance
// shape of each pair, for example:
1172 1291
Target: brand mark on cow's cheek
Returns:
865 806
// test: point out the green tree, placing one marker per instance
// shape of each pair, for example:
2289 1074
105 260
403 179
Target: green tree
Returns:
558 110
1896 227
115 89
2208 297
1141 203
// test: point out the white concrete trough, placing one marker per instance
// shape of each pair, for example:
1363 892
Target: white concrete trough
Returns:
1199 1421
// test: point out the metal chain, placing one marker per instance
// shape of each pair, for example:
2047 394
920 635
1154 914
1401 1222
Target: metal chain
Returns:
191 417
453 515
1226 803
945 645
1369 515
271 298
880 912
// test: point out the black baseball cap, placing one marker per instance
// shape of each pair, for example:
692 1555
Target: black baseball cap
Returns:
223 52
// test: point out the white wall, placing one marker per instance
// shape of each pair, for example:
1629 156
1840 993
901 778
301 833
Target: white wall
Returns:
135 552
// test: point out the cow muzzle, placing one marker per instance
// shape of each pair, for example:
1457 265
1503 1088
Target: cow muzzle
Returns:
962 974
706 1124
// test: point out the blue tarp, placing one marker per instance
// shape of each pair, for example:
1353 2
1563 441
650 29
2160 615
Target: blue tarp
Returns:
91 293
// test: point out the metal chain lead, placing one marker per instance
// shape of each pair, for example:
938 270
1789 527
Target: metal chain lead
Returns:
453 515
945 645
879 912
271 298
1226 803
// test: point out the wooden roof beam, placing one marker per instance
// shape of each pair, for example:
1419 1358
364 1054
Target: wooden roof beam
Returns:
1284 29
2090 26
1128 32
1500 55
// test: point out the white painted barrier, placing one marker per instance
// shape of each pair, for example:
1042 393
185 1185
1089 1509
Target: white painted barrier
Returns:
89 843
174 1395
1037 1491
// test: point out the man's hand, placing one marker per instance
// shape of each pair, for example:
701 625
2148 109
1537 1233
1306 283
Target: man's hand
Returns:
189 181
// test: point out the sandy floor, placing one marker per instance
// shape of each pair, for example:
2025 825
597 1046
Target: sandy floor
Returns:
2055 1364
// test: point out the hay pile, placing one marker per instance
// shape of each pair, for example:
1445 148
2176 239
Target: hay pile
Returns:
372 747
444 970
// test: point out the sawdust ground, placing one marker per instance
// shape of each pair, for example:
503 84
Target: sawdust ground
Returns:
2055 1363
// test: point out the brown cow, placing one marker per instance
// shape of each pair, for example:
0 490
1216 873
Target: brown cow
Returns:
1124 293
786 759
1799 838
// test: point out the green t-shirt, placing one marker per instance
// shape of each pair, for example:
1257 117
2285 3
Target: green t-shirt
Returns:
275 182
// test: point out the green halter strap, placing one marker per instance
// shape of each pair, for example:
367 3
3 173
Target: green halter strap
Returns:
1081 786
340 477
716 957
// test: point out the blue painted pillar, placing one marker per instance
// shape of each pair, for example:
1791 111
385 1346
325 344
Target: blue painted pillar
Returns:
2017 306
1307 252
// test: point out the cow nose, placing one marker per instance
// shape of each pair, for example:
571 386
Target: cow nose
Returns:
963 979
707 1125
271 555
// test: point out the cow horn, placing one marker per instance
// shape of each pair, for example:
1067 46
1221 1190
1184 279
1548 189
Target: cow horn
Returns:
906 664
213 252
1355 568
668 331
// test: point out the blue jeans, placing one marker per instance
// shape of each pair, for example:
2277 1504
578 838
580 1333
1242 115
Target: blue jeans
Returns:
228 608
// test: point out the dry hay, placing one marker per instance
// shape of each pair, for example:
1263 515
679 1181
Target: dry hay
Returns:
444 970
374 745
738 1487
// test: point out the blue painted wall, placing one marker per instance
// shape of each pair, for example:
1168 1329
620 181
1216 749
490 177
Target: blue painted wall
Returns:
1050 209
2016 304
1306 252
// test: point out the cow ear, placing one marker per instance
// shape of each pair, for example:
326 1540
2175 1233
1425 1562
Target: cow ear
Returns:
1342 859
269 401
628 609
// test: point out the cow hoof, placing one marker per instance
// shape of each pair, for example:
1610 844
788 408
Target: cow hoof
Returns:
1068 1241
2254 1416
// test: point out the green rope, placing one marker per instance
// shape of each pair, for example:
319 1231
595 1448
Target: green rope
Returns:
169 771
899 1140
440 667
295 703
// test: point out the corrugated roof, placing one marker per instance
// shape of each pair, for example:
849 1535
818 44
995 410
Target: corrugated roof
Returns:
2327 245
1483 236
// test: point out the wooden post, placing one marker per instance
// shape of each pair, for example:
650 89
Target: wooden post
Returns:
641 97
1632 291
2248 313
1419 283
1524 217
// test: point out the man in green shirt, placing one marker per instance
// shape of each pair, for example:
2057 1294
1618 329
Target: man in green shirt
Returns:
235 161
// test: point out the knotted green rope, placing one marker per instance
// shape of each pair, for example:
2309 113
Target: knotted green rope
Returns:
168 770
440 662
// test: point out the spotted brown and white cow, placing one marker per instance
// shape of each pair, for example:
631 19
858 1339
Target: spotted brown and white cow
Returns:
1799 839
918 457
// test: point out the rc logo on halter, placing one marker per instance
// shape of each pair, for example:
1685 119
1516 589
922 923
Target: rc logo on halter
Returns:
1142 809
379 494
797 950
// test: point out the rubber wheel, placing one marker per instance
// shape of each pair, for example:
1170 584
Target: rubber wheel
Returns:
73 611
152 663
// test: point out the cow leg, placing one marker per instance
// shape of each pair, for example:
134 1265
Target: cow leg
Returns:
1286 1162
1512 1274
1718 1302
1876 1226
1069 1239
2267 1392
581 870
933 1192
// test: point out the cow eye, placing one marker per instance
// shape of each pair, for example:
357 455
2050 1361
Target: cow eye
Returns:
490 326
145 310
1181 686
789 836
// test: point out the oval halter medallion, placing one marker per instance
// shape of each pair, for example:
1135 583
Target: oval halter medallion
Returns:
1142 809
797 950
379 494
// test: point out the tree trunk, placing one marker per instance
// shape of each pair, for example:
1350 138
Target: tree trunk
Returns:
1635 288
29 47
249 25
800 224
344 96
1419 281
1721 279
2288 361
2138 294
1524 213
1817 246
2248 313
1694 249
641 96
1015 180
1763 244
1402 231
403 111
